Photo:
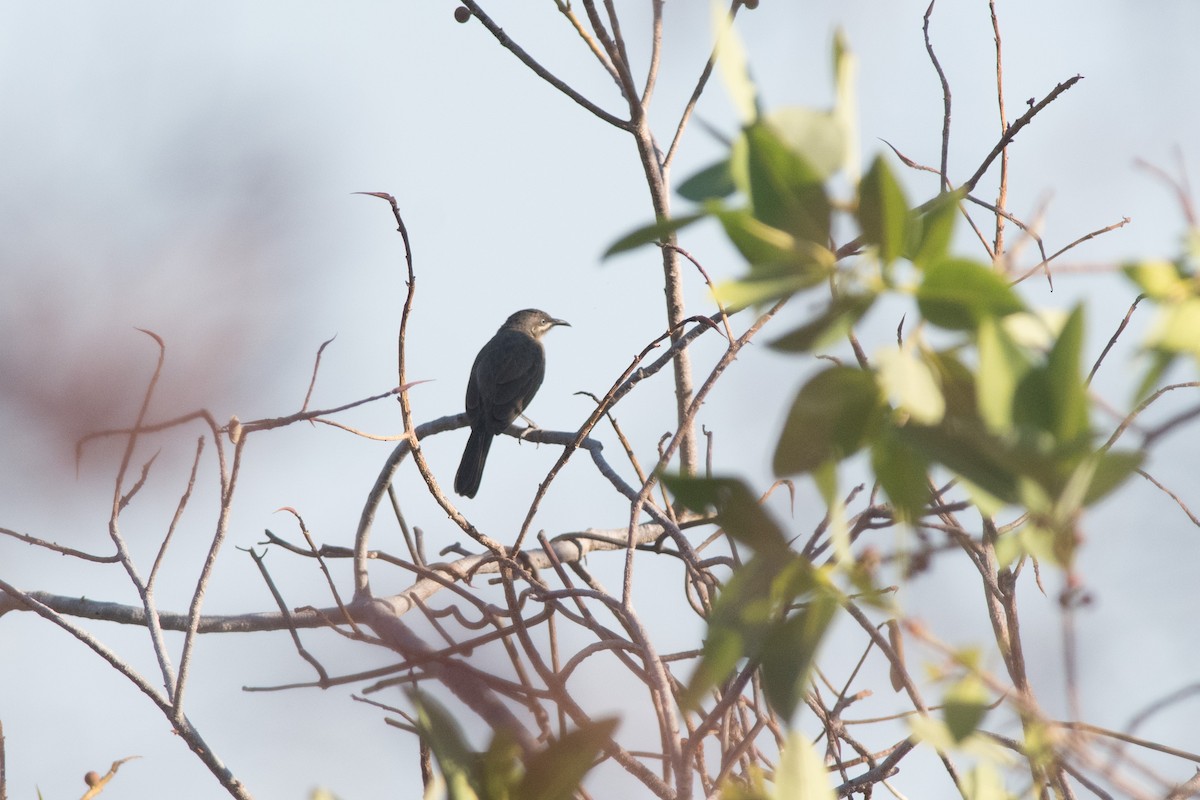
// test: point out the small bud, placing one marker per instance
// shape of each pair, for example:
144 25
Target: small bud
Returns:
234 428
462 14
92 778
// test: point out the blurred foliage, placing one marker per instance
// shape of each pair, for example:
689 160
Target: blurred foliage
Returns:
499 773
1003 407
999 404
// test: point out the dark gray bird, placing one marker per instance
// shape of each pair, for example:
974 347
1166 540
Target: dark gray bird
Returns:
504 378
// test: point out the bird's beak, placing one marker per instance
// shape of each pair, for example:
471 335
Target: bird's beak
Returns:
554 322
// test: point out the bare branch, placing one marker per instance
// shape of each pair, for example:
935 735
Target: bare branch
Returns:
508 44
942 171
1016 127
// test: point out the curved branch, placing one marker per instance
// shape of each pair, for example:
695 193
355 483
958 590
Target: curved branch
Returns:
549 77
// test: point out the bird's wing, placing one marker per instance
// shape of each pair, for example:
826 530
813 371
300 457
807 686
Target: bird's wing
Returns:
507 374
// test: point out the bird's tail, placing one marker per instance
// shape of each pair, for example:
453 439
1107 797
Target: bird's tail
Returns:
470 469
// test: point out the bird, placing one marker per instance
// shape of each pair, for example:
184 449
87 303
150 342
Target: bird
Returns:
504 378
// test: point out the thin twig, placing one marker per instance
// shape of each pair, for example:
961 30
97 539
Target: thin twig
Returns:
316 553
322 675
566 10
1182 418
1142 406
1047 259
1016 127
508 44
656 31
120 500
58 548
1178 501
701 83
183 727
1002 193
316 368
945 160
183 501
1112 340
228 483
245 427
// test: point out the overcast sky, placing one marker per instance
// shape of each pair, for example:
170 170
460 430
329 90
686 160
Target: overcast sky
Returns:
188 169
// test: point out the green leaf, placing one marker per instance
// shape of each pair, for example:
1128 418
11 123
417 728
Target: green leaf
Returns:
714 181
902 472
500 766
752 785
882 211
1160 362
932 731
1035 330
1112 469
830 418
780 264
556 772
656 232
1002 367
957 382
733 66
790 650
773 252
962 442
1032 410
932 229
1052 397
845 105
957 294
445 738
964 707
786 191
825 478
911 384
988 504
964 446
819 136
738 510
748 609
1159 280
723 648
1068 394
1066 509
753 291
801 772
1177 328
984 782
837 319
1191 246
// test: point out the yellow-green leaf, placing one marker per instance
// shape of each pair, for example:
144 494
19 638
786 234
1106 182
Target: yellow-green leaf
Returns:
957 294
883 211
801 772
910 383
1002 366
964 707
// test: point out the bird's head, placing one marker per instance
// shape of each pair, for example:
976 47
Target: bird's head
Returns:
534 322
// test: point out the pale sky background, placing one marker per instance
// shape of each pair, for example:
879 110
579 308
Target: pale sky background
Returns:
188 168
